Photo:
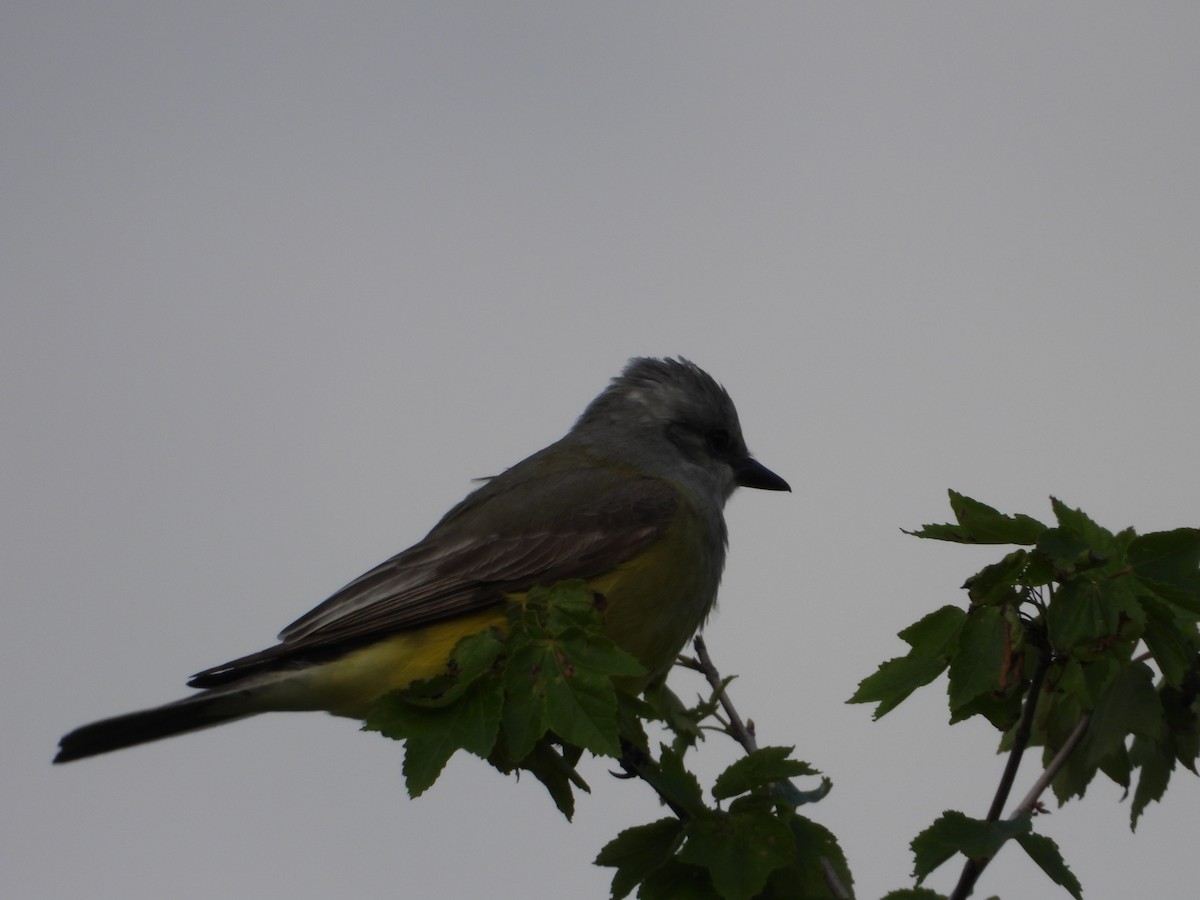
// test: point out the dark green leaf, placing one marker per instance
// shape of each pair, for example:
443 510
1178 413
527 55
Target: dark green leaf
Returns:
914 894
1086 610
986 525
1130 706
1169 561
982 650
999 582
758 769
1043 851
1171 638
432 734
805 876
932 639
1155 763
739 849
675 781
895 680
978 523
1098 540
935 634
954 832
636 852
677 881
562 685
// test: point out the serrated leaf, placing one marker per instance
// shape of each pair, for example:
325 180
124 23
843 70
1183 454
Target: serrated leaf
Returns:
1155 764
1086 610
932 639
1169 562
676 782
979 661
739 849
998 583
895 680
433 734
914 894
563 685
677 881
805 876
1129 706
935 634
637 852
551 765
1099 540
759 769
1043 851
985 525
954 832
1172 640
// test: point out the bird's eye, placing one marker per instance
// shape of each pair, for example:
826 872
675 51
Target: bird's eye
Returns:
719 441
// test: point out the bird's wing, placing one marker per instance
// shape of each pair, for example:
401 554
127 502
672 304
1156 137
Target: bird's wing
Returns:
454 572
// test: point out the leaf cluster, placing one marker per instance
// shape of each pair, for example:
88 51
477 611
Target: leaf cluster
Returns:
750 843
531 696
1081 641
535 694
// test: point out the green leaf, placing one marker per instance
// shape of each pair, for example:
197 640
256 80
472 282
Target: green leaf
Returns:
1043 851
1169 563
676 782
562 684
1171 639
914 894
998 583
978 523
985 525
1129 706
937 633
954 832
1155 763
636 852
759 769
552 766
677 881
1086 610
1075 521
982 650
739 849
432 734
932 640
805 877
895 680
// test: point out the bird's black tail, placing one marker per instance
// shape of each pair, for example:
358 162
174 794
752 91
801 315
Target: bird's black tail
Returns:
190 714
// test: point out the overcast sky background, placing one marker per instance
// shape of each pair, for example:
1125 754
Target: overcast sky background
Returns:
279 279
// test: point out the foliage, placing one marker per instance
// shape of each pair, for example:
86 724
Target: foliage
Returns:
1080 641
536 694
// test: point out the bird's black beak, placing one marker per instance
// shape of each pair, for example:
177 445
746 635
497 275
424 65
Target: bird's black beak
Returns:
753 474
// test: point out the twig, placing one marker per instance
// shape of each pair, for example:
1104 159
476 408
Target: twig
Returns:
1055 765
738 729
743 732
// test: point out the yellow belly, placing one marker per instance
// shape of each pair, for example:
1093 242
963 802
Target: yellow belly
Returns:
655 603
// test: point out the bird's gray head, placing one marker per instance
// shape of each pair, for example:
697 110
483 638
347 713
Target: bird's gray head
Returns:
670 418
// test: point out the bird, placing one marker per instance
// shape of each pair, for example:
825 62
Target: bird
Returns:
631 501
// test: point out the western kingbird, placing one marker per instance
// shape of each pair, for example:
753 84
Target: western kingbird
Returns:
631 501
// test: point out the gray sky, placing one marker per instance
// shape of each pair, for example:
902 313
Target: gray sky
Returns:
279 279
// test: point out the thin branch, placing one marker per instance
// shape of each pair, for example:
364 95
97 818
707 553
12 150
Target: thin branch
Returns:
738 729
743 733
1056 764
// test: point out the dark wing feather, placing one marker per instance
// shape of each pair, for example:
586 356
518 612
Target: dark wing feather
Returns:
578 523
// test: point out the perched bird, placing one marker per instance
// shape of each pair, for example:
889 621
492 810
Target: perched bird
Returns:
631 501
